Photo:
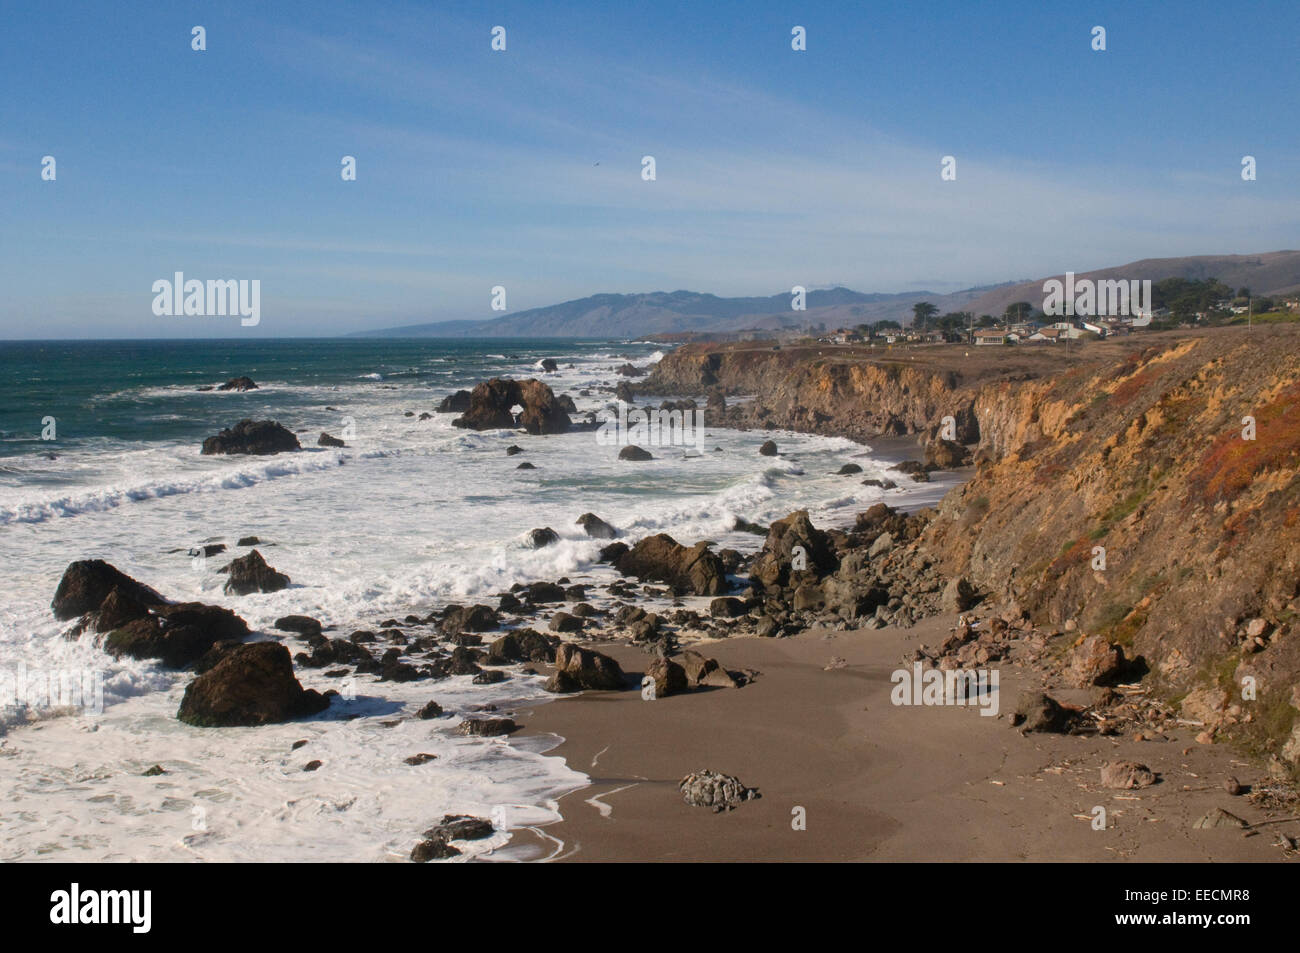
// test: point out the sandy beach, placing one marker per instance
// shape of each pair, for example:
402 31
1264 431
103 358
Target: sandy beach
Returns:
877 782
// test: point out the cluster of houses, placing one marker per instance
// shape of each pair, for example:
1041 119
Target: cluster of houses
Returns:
1020 332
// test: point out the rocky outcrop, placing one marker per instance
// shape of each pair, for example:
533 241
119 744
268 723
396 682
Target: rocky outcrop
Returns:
251 685
490 403
326 440
634 453
256 437
695 569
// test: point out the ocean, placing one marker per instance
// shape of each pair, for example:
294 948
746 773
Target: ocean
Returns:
411 515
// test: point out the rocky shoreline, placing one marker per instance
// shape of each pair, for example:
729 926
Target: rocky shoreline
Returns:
675 601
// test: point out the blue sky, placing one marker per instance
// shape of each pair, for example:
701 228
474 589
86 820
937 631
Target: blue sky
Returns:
522 168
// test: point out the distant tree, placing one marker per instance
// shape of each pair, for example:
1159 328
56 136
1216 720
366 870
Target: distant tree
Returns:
922 312
986 321
1243 292
1018 311
888 325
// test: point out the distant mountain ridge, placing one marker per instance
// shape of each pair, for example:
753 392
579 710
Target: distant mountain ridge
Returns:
664 312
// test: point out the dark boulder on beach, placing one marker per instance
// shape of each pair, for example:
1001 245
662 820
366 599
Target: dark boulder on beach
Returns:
669 678
596 527
566 404
624 392
512 450
248 541
238 383
660 558
525 466
847 469
701 670
87 583
325 440
577 668
548 365
256 437
768 449
250 573
490 403
252 685
793 544
1036 711
564 622
631 370
456 403
727 607
633 452
177 635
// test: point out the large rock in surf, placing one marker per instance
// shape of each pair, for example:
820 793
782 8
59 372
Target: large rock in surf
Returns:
250 573
661 558
257 437
456 403
177 635
490 403
596 527
635 453
87 583
251 685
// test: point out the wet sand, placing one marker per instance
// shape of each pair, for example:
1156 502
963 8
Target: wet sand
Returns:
876 781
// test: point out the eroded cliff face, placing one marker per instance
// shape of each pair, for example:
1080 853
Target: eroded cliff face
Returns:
1122 490
1135 499
838 392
